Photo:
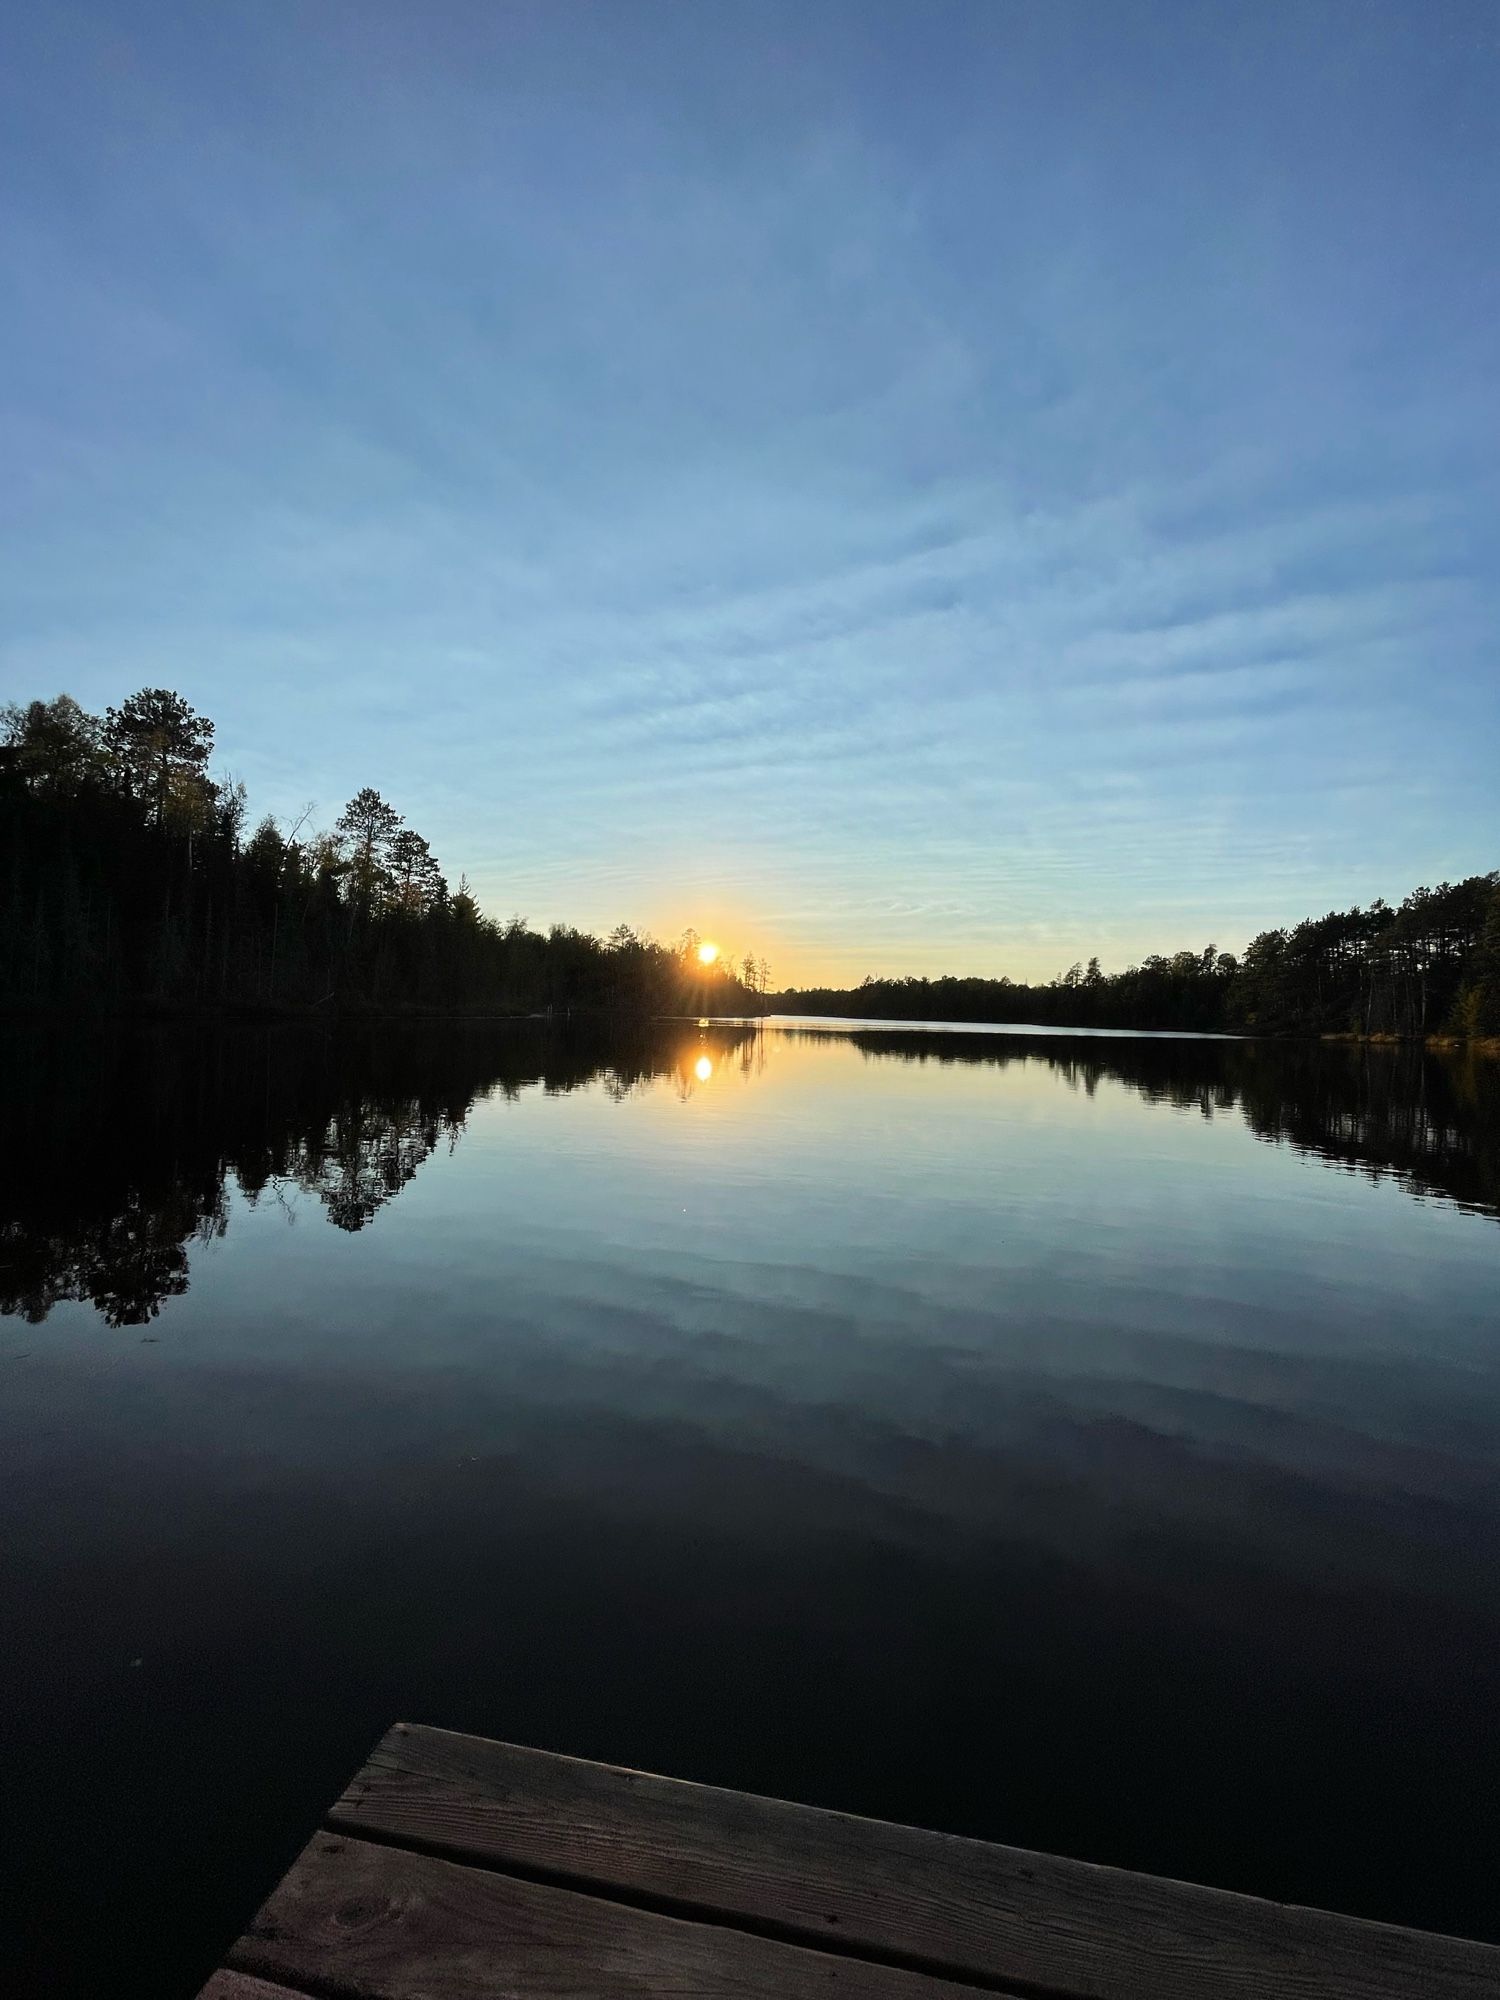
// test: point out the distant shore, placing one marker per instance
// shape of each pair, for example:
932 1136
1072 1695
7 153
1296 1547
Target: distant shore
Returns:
346 1012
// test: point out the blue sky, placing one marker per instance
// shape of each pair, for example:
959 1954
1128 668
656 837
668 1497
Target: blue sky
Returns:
904 487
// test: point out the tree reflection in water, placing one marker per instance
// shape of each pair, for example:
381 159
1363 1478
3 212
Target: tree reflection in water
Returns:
122 1147
1429 1120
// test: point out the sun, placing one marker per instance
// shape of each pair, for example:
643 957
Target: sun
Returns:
707 953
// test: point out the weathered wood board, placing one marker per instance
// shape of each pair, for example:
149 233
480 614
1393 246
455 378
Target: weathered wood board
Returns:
454 1867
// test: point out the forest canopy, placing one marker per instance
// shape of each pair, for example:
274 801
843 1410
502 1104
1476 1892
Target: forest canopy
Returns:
133 876
1428 965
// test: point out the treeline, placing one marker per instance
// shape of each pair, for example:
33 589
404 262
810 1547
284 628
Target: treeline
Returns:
1429 966
131 876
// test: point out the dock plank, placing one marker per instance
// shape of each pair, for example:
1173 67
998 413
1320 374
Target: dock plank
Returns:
370 1922
226 1985
964 1910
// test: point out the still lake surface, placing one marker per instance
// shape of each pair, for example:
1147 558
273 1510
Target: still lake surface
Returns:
1088 1442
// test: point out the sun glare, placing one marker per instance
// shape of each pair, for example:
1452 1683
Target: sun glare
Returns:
707 953
703 1069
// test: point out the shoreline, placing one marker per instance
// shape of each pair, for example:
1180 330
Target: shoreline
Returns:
348 1013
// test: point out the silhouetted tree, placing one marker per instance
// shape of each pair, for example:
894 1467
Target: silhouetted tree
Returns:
370 826
158 745
56 746
414 869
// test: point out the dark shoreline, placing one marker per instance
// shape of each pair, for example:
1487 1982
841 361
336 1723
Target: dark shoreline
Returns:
355 1012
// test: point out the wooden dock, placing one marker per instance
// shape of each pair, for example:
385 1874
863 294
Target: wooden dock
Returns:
454 1867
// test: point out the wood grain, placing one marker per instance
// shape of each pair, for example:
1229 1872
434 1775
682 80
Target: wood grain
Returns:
368 1922
244 1986
1000 1917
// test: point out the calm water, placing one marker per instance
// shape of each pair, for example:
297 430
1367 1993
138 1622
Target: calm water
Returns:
1085 1442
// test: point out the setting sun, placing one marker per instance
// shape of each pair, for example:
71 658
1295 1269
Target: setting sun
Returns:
707 953
703 1069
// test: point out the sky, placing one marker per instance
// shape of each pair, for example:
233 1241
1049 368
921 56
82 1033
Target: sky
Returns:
901 488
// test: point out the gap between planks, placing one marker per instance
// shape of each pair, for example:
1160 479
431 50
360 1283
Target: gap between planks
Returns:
358 1920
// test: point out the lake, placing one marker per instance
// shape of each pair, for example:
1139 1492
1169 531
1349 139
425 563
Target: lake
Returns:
1087 1442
